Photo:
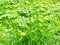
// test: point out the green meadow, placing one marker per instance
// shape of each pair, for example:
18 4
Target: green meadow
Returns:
29 22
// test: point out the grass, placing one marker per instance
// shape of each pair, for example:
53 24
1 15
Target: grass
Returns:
30 22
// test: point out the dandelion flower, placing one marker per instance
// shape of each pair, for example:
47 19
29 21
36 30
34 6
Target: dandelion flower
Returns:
23 34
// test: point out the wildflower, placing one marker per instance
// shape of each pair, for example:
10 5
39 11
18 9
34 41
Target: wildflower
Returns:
23 34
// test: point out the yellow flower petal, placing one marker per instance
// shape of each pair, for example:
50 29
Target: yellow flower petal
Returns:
23 34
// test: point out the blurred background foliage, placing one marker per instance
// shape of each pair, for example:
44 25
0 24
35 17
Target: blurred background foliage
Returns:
30 22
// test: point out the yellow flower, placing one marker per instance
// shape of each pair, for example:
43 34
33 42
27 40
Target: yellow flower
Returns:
23 34
41 30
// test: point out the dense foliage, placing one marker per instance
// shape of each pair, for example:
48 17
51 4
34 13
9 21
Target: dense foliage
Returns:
29 22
